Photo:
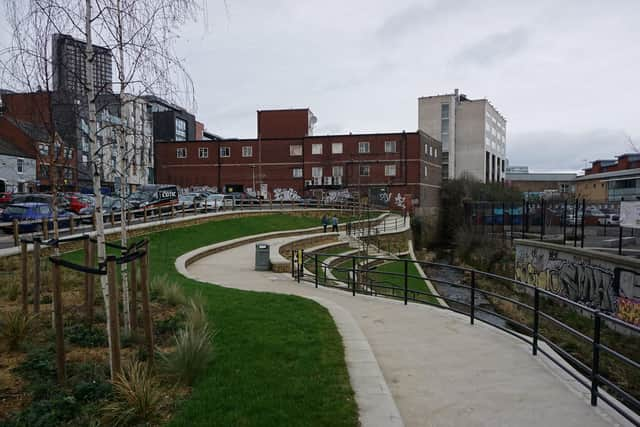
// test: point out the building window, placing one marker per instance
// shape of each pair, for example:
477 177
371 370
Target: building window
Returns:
247 151
44 171
389 146
444 125
364 170
43 149
336 148
203 153
85 143
85 160
363 147
297 172
20 166
68 153
295 150
426 171
316 172
337 171
68 174
181 153
225 151
181 130
389 170
435 152
316 148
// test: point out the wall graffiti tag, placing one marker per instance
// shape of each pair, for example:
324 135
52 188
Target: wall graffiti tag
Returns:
582 279
285 195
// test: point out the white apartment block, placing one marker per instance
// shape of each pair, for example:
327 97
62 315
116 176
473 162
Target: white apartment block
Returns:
472 132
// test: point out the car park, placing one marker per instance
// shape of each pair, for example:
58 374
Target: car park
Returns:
30 215
153 196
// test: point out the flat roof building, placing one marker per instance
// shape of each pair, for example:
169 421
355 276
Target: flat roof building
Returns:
472 133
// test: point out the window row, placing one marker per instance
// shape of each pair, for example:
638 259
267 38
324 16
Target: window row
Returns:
203 152
338 171
430 151
364 147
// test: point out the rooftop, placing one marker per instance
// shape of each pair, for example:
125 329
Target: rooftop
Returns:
8 149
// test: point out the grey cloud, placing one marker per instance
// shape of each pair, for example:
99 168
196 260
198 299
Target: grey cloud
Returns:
493 48
553 150
416 16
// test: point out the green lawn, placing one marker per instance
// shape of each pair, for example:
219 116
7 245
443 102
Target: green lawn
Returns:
279 359
397 267
310 262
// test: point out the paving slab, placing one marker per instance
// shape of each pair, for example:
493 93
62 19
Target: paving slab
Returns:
440 370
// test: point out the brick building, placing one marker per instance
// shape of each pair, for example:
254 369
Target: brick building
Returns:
287 161
611 179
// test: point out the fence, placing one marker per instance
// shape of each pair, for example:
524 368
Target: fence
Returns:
71 224
599 356
577 222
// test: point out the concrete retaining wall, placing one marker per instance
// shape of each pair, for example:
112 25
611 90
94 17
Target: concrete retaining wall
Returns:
593 278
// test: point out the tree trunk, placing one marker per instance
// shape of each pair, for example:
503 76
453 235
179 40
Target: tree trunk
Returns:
96 173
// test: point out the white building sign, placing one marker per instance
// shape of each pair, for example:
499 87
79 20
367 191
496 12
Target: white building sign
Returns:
630 214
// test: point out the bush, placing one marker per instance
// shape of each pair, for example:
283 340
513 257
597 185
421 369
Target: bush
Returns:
16 327
169 326
55 411
166 291
136 398
193 353
86 335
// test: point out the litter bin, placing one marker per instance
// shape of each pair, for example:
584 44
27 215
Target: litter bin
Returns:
262 257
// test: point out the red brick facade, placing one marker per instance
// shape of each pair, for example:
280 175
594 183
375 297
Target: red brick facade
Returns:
400 169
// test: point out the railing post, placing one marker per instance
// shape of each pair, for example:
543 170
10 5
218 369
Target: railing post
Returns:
58 321
16 232
472 302
45 229
406 281
317 271
536 319
144 214
354 279
542 219
87 262
133 301
301 264
564 223
584 203
71 225
595 366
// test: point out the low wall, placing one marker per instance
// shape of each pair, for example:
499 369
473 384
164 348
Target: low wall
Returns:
593 278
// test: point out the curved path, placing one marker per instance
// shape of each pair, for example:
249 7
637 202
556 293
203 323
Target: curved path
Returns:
440 370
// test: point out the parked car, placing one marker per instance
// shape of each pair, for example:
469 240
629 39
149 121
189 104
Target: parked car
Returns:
32 211
154 195
191 200
5 199
62 202
609 219
214 201
79 201
109 205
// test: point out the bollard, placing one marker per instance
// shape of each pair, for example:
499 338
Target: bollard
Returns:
146 310
58 322
25 276
114 327
36 275
472 303
16 233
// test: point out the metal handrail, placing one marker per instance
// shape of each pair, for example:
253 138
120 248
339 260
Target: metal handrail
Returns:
384 288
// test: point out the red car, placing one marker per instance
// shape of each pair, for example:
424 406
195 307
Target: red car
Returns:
5 199
78 202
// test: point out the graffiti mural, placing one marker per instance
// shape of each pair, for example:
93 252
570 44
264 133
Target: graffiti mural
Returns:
337 196
585 279
400 201
286 195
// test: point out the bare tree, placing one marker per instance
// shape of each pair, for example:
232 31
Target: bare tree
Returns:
141 34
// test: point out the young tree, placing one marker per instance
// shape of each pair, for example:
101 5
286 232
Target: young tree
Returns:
141 34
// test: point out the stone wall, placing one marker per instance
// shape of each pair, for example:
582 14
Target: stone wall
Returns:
593 278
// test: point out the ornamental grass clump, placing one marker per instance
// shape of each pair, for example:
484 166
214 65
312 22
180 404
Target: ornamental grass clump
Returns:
165 290
193 353
15 328
137 398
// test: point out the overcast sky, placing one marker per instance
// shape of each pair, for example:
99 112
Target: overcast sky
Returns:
563 73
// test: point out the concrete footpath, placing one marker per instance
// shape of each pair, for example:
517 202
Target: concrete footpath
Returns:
440 370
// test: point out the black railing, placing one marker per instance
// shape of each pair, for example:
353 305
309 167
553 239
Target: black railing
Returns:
585 342
579 223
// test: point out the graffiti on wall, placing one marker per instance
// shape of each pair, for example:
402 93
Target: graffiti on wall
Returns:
337 196
286 195
581 279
